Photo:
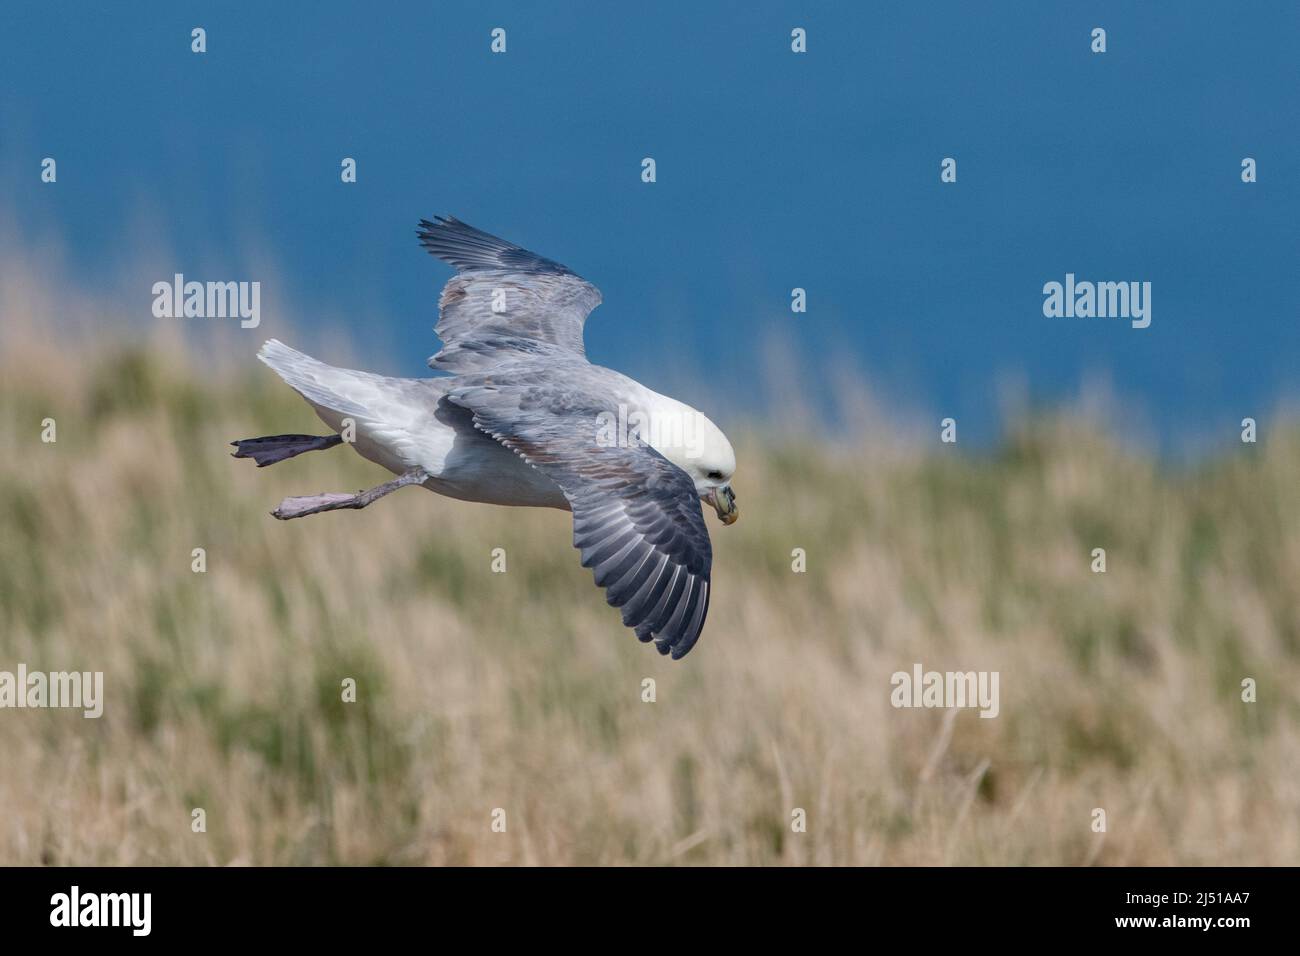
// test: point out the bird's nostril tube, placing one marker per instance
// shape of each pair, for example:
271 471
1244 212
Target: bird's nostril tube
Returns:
724 501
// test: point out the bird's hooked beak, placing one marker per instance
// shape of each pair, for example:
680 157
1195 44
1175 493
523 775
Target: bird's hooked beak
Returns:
724 502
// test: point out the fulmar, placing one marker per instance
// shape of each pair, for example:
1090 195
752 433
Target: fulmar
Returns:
522 418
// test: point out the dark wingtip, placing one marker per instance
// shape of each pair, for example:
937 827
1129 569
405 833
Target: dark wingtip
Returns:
428 227
468 248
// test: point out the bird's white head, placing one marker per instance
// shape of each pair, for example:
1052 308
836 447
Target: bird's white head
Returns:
692 442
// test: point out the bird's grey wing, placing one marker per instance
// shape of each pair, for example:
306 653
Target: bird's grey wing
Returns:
504 302
636 516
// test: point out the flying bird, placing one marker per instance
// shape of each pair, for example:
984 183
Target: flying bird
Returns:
522 418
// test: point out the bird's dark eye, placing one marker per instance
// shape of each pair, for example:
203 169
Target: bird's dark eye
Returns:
715 475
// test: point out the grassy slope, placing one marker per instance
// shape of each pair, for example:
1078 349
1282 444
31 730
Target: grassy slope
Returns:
522 691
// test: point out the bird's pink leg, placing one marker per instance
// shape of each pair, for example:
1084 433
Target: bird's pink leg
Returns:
333 501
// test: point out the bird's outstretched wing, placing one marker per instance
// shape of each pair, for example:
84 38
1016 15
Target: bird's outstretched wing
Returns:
636 516
504 302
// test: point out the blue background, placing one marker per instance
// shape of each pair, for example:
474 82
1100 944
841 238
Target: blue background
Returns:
775 170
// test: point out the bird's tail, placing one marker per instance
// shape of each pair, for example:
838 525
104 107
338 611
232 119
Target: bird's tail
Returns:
339 390
390 415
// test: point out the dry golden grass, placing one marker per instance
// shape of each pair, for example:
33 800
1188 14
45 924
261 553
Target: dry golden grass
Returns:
522 691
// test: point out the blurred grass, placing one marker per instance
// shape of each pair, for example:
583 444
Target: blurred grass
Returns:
522 691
